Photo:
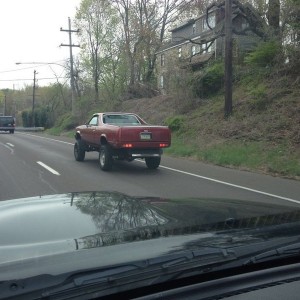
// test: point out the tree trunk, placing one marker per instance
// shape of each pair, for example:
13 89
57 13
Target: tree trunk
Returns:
273 15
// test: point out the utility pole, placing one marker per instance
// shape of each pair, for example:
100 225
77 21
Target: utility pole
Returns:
228 58
70 45
4 104
33 100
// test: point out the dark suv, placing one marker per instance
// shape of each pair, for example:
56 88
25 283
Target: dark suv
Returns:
7 123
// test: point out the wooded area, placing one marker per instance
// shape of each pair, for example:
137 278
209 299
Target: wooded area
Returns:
119 40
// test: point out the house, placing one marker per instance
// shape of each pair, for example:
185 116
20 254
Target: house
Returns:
200 40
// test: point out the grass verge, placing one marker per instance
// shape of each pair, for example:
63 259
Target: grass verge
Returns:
254 156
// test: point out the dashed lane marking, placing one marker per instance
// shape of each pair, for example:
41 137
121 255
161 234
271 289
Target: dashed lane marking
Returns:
48 168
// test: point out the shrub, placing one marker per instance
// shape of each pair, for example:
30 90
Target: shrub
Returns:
264 55
66 122
175 123
209 81
40 118
259 99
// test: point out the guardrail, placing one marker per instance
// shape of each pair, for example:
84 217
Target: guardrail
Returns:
31 129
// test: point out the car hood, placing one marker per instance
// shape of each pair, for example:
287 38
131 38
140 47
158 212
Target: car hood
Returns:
120 228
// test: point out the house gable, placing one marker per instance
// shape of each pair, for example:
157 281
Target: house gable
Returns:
195 42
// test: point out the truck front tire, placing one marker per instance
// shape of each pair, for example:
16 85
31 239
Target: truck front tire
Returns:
152 162
105 158
79 150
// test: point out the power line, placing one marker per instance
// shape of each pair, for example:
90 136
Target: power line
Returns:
32 67
26 79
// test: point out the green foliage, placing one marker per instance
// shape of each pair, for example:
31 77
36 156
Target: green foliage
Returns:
258 99
66 122
180 147
264 55
26 118
210 81
234 154
246 155
54 131
175 123
40 118
254 156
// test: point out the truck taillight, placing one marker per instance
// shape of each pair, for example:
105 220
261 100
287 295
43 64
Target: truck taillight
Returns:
127 145
163 145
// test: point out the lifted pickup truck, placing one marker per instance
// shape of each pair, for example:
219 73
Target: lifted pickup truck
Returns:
121 136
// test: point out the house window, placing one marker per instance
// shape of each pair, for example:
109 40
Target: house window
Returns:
203 46
209 45
161 83
162 60
244 24
211 21
204 24
198 48
179 52
193 50
194 28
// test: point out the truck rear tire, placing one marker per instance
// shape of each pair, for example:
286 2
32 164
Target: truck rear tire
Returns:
79 150
105 158
152 162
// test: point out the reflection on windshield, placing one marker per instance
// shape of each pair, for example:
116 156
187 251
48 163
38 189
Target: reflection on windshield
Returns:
114 213
120 218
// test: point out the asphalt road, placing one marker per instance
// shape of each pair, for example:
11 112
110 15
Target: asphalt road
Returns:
34 164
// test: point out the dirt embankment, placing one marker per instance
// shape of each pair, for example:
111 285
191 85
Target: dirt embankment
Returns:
273 118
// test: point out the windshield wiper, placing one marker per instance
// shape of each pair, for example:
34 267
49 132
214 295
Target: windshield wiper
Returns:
155 266
144 272
110 280
281 252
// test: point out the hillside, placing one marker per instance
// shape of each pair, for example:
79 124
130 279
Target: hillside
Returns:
263 134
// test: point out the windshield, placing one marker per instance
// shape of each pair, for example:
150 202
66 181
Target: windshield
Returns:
148 145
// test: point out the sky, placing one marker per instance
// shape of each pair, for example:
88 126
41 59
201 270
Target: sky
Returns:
30 32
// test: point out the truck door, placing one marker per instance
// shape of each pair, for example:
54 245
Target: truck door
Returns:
89 131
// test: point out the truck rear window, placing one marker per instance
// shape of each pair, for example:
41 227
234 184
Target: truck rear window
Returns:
125 120
5 121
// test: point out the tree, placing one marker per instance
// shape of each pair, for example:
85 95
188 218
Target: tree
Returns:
145 24
98 23
291 21
273 15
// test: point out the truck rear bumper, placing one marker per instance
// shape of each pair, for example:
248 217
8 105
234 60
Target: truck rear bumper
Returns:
138 153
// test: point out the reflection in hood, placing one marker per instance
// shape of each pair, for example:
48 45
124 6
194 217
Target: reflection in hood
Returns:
38 226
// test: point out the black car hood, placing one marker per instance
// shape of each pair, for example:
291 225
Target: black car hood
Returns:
120 227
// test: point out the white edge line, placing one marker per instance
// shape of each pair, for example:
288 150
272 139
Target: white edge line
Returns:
45 138
233 185
229 184
48 168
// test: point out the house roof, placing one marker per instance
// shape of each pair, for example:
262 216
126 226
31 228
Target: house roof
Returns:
186 23
190 21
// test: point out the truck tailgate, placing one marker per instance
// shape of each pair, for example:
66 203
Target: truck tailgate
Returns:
145 136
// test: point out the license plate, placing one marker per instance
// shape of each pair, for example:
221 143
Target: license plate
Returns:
145 136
